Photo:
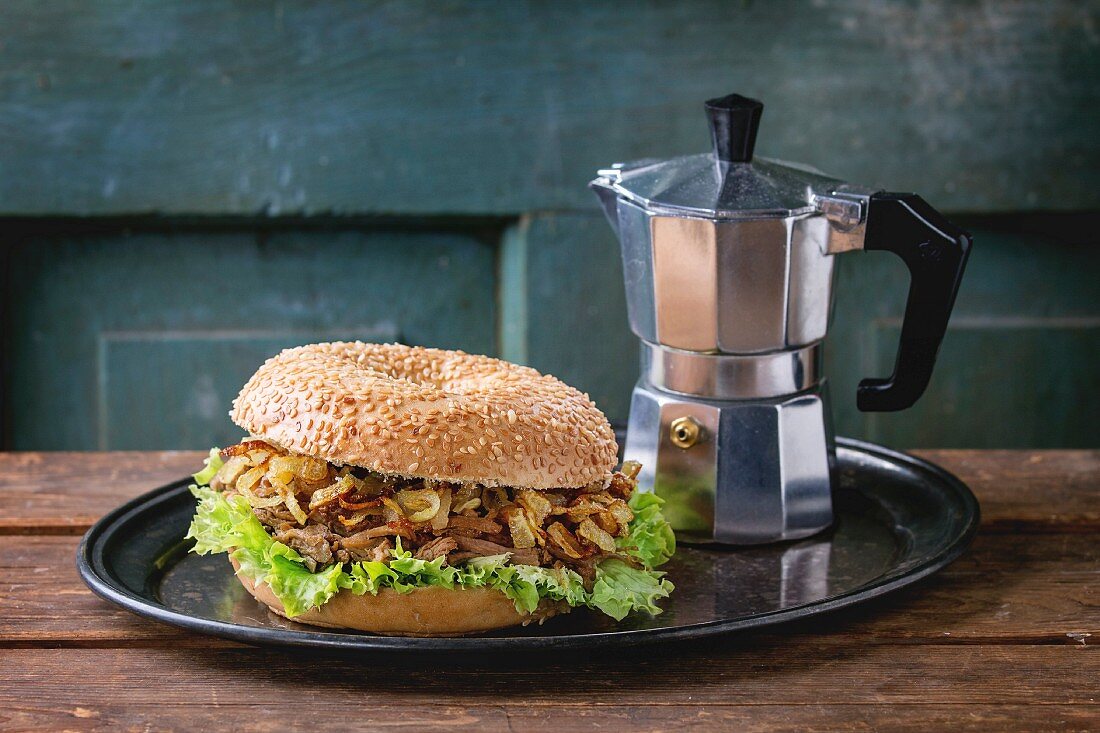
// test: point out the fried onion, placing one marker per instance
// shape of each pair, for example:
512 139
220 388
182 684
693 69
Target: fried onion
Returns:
260 502
443 514
418 505
565 541
249 478
519 526
292 504
358 517
241 448
330 493
590 531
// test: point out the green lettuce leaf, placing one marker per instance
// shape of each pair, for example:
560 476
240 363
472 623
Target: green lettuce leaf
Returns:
650 539
494 572
212 464
620 589
557 584
368 577
298 588
412 573
228 525
221 524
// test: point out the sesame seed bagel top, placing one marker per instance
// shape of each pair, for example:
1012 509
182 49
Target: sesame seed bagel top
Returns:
428 413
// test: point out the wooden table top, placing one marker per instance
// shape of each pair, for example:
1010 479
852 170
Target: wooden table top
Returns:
1005 638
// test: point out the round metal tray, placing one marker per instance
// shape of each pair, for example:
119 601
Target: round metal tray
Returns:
898 519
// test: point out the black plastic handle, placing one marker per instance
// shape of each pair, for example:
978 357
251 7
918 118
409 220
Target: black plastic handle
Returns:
935 252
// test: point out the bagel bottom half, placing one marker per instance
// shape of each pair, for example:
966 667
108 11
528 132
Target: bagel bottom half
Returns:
428 611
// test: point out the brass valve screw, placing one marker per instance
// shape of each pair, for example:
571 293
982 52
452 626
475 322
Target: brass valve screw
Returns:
685 432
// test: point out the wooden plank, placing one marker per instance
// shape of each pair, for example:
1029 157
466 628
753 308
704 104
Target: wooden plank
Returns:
37 713
1024 491
65 492
45 600
801 718
208 107
143 341
1045 590
797 674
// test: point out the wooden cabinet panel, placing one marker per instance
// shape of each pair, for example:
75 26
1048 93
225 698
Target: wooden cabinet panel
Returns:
1002 383
1018 366
141 341
172 388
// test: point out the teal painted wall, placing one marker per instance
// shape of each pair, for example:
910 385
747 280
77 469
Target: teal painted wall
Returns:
186 187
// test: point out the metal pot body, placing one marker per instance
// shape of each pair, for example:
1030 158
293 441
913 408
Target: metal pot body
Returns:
739 286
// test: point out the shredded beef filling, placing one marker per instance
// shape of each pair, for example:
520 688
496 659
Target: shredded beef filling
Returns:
346 514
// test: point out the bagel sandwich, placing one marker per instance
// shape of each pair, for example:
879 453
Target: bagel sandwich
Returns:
413 491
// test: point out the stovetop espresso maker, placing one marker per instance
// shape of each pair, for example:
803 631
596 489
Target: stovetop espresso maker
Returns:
728 262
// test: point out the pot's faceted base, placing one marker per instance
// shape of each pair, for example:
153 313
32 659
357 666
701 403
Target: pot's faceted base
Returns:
734 472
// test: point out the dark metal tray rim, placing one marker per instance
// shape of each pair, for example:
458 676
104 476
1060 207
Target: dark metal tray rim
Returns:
93 570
